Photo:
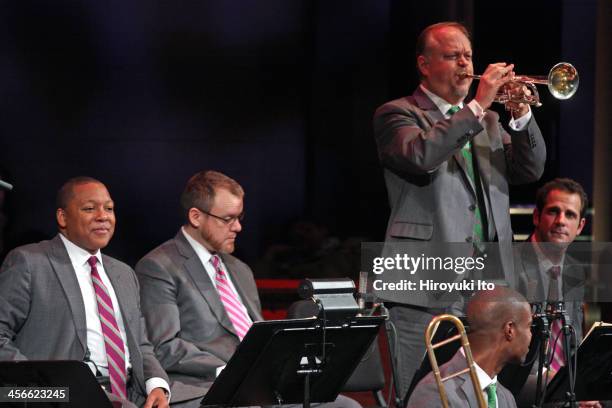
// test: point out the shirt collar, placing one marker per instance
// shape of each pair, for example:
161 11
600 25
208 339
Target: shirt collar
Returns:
483 377
201 251
442 105
77 255
544 262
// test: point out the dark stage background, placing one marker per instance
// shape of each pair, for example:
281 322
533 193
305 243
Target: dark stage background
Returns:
278 94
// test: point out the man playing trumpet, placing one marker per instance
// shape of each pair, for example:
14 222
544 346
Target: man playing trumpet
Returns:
448 163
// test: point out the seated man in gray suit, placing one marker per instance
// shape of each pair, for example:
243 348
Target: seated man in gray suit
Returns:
198 300
499 333
64 300
546 272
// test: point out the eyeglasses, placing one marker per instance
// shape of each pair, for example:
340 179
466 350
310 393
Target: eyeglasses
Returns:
225 220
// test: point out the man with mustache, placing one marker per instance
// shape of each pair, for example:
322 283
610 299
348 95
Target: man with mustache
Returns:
447 166
64 300
199 301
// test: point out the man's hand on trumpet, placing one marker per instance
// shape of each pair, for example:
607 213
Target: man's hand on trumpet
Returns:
495 76
517 91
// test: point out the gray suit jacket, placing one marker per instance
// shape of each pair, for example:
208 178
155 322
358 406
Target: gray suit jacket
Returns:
459 390
42 314
430 194
530 283
187 322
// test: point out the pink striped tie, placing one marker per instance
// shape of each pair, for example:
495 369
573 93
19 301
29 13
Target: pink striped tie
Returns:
234 308
558 359
115 351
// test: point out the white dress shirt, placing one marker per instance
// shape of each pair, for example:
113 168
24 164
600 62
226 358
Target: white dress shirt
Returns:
483 379
95 339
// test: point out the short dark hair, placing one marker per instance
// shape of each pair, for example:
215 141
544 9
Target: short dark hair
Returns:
563 184
201 187
423 38
66 191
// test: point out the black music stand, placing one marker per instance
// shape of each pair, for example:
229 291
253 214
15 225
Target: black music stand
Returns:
285 362
594 370
84 390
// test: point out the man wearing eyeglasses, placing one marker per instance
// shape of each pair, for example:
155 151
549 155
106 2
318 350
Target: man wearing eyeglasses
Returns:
198 300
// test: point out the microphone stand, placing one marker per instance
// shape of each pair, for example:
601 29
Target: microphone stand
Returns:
555 311
541 320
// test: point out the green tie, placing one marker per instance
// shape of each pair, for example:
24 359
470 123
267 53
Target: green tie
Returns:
452 110
466 152
492 395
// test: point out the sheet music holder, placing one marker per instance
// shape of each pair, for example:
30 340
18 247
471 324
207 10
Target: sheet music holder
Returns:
264 368
594 372
84 390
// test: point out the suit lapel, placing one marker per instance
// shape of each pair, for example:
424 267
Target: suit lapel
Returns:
531 266
60 262
200 277
433 115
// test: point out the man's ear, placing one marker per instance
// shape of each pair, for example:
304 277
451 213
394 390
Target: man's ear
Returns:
536 217
195 217
509 330
423 65
581 225
60 216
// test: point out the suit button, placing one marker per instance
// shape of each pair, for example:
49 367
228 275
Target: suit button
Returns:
468 239
470 132
472 207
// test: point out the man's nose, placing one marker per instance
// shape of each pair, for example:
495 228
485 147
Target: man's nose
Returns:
236 226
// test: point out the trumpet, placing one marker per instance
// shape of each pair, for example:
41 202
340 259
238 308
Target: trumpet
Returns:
429 333
562 81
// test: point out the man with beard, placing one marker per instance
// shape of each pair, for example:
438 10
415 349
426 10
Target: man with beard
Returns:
198 300
499 333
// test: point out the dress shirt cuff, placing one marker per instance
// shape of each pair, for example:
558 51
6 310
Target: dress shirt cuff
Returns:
520 123
476 109
157 382
218 371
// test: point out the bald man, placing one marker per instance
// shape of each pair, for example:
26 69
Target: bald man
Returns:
500 333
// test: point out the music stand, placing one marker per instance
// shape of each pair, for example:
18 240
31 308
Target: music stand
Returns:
84 390
284 362
594 370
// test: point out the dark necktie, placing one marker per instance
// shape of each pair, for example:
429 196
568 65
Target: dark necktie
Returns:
113 344
466 152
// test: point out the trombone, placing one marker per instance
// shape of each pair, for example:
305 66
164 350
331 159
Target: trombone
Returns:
429 332
562 82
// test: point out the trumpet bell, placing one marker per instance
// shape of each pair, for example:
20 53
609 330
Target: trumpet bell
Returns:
563 80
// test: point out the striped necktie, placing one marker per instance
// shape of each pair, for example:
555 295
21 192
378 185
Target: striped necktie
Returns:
558 357
113 344
466 152
234 308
